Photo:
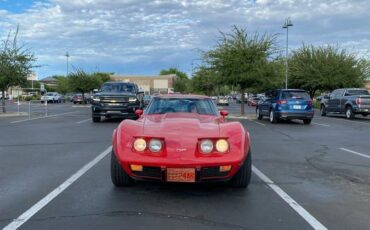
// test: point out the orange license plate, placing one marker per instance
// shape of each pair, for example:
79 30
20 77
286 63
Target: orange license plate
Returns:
181 175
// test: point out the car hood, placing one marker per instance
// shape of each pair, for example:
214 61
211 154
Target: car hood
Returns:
178 125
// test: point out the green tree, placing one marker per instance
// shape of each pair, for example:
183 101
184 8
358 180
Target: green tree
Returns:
16 63
181 82
240 59
204 81
63 86
325 68
82 82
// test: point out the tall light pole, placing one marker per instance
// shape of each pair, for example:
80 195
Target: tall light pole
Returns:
67 56
286 25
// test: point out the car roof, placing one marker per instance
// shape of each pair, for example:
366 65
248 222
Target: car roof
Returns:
177 95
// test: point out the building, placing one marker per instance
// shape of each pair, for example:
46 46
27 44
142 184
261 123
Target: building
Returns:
149 84
49 81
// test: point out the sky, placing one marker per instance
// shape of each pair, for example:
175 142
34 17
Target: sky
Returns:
142 37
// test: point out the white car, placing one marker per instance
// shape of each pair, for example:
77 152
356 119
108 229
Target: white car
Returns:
51 97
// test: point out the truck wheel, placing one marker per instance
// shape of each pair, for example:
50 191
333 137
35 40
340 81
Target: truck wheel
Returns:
273 118
242 178
323 110
258 114
95 119
365 114
118 175
307 121
349 113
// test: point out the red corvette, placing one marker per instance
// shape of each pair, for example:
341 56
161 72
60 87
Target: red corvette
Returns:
181 138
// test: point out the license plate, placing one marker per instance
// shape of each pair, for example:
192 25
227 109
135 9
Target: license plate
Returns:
181 175
297 107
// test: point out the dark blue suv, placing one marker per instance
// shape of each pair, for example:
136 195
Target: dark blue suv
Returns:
286 104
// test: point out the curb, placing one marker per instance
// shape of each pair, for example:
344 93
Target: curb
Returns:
13 114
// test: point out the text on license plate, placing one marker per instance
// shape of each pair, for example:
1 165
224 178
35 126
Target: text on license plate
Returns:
181 175
297 106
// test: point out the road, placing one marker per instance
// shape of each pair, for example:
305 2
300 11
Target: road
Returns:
322 167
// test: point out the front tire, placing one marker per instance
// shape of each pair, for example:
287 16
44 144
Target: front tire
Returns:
349 113
307 121
258 114
243 177
119 177
95 119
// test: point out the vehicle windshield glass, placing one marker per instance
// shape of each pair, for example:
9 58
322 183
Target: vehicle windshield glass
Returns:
117 88
182 105
294 95
357 92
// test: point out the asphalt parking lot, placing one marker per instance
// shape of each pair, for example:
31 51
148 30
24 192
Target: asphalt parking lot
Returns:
55 173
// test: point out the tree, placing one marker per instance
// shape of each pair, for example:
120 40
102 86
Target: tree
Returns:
82 82
16 63
326 68
62 85
240 59
204 81
181 82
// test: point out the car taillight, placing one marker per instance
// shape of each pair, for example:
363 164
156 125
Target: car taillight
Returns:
281 102
358 101
309 103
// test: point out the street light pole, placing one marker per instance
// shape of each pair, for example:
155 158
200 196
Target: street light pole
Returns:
286 25
67 56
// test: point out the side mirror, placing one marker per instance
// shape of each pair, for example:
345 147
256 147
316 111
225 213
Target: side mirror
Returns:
224 113
139 112
95 90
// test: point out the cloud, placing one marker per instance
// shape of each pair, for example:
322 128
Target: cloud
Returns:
146 36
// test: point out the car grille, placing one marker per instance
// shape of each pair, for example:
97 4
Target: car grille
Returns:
153 172
113 99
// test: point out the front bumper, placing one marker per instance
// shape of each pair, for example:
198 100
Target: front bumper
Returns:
294 115
124 110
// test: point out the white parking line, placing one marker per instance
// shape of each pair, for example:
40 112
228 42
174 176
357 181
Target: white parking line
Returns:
257 122
325 125
315 224
354 152
16 223
86 120
37 118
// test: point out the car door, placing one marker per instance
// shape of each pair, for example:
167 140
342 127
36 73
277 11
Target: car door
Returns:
265 105
333 101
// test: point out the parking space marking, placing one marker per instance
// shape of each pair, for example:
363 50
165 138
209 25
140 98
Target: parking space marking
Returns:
354 152
83 121
23 218
315 224
257 122
37 118
325 125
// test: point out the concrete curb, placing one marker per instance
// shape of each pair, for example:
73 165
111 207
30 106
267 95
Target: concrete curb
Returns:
13 114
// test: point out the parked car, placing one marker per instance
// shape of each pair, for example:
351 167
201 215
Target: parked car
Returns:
350 101
117 99
222 101
51 97
78 99
286 104
181 138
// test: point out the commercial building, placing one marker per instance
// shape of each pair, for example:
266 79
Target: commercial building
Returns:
149 84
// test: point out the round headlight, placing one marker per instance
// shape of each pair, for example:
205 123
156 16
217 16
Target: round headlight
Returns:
206 146
222 145
140 144
155 145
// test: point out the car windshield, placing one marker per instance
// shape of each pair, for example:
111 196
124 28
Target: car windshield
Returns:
353 92
294 95
118 88
182 105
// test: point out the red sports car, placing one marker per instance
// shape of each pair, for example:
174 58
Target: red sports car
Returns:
181 138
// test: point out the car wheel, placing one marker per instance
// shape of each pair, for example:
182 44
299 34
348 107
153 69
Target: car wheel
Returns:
74 102
243 176
365 114
307 121
349 113
323 110
258 114
273 118
118 175
96 119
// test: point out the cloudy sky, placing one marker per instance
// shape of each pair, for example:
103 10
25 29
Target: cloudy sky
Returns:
143 37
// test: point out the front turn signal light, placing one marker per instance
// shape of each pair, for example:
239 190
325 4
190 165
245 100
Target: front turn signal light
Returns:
225 168
136 168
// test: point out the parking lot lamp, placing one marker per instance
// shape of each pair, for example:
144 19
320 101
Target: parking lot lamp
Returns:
286 25
67 56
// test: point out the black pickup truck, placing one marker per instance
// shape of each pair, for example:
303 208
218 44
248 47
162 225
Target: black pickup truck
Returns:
116 99
349 101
